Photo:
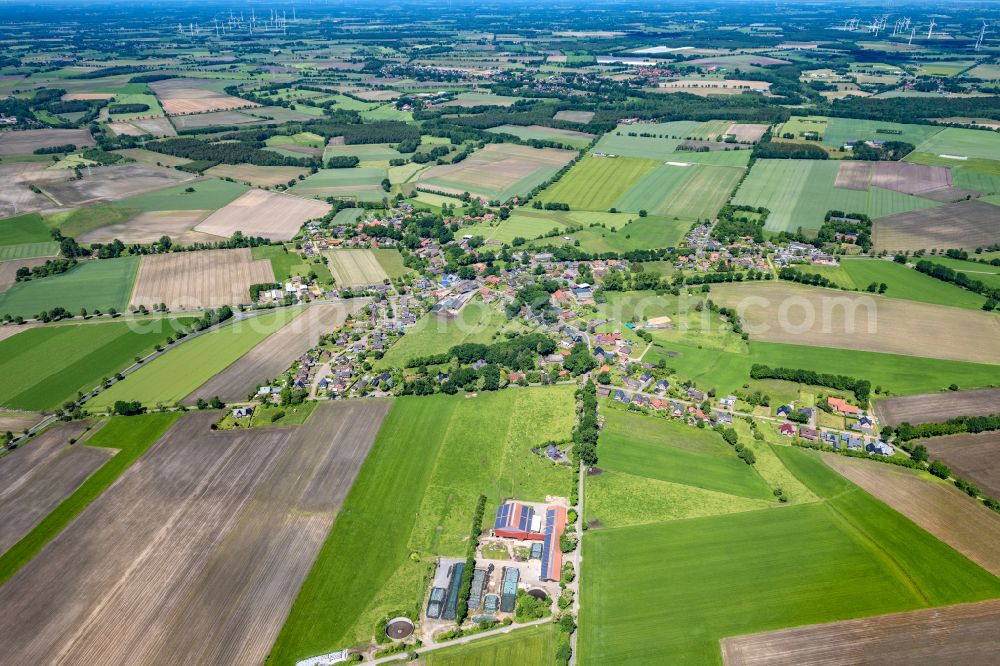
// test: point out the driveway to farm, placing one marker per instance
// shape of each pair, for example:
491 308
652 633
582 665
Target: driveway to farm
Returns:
460 641
237 316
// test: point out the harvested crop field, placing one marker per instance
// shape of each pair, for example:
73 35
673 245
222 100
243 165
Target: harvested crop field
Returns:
498 171
124 129
214 118
355 268
966 224
111 183
35 477
935 505
25 142
273 215
964 634
260 176
155 126
207 278
854 175
975 458
363 184
273 356
747 131
15 196
794 314
196 553
184 96
910 178
937 407
150 226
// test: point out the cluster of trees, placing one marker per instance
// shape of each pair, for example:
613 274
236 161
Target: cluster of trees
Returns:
914 109
839 222
733 226
470 561
971 424
128 108
815 279
228 152
892 151
860 387
342 162
743 453
52 150
212 317
585 433
948 274
579 360
536 298
128 408
775 150
256 288
50 267
103 157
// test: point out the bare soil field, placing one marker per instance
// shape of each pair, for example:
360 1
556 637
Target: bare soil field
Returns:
111 183
853 175
207 278
795 314
355 268
25 142
966 224
574 116
937 407
155 126
975 458
910 178
150 158
17 421
185 96
747 131
495 168
259 176
15 196
124 129
275 354
36 477
195 555
10 330
148 227
200 120
965 634
273 215
8 269
935 505
950 194
376 95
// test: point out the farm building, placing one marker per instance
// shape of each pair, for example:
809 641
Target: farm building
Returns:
435 602
555 524
518 521
508 589
479 581
450 608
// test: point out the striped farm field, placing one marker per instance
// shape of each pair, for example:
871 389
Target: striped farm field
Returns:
703 194
28 251
101 284
355 268
800 192
597 183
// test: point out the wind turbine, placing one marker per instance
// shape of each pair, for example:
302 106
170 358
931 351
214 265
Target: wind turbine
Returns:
982 33
930 30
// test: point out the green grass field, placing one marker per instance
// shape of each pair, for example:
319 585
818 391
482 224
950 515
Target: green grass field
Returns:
597 183
101 284
299 139
433 334
391 262
435 455
671 451
47 366
908 284
28 250
641 233
207 195
656 147
531 646
679 587
971 143
284 262
366 152
838 131
362 183
800 192
529 222
985 273
542 133
181 370
137 98
131 436
24 229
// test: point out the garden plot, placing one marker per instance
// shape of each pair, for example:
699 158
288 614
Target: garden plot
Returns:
203 279
933 504
355 268
937 407
498 171
794 314
272 215
275 354
35 477
966 224
26 142
111 183
188 96
973 457
962 634
197 552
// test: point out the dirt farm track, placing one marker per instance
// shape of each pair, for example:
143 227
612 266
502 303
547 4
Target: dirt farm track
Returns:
968 634
195 555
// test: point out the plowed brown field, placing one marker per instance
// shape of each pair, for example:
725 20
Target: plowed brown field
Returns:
937 407
208 278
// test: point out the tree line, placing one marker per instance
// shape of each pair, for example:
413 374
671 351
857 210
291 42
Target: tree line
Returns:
948 274
860 387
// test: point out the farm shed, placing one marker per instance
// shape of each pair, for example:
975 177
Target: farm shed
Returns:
518 521
450 609
508 589
479 579
555 524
